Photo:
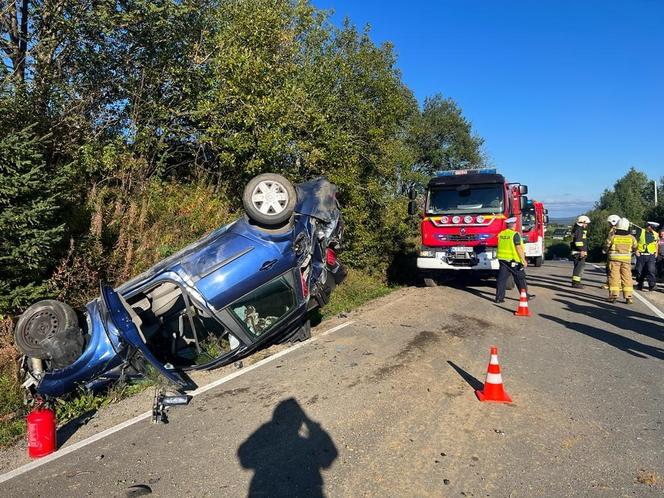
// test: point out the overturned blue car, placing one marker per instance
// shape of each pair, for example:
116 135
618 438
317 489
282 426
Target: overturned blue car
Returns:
241 288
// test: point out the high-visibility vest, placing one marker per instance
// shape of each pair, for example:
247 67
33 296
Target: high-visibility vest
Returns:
620 248
650 247
506 247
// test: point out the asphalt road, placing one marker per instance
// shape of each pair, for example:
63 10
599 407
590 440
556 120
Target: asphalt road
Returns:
385 407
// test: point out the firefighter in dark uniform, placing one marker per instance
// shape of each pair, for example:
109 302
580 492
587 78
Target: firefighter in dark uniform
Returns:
511 260
646 256
579 249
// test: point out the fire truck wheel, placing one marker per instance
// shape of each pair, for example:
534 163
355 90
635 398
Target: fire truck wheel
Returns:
430 282
538 261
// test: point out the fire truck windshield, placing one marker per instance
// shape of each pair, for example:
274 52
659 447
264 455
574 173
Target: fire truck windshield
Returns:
528 219
466 199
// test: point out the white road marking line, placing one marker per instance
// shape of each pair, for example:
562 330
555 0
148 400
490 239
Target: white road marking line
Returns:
650 306
85 442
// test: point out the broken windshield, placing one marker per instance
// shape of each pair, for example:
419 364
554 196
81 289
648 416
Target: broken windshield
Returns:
466 199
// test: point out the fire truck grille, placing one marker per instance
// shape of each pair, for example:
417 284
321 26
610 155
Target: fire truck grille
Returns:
463 238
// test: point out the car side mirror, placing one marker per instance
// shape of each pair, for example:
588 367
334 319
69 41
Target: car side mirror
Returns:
546 219
412 208
523 201
412 194
523 189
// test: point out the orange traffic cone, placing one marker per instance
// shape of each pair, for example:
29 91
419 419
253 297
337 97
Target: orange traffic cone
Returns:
493 386
523 310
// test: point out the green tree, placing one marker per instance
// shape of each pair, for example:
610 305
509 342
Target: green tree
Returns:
443 138
631 197
29 229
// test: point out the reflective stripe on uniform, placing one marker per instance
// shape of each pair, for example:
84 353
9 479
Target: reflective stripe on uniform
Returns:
576 279
620 248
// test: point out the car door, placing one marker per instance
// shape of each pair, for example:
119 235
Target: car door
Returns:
117 316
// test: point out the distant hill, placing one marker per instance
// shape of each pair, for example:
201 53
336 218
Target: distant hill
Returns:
562 221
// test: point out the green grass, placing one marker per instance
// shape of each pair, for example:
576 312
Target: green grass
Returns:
12 411
357 289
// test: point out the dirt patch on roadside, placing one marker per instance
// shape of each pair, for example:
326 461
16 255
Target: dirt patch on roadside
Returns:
465 326
647 477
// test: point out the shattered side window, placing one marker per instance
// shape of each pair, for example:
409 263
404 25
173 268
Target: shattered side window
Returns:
261 309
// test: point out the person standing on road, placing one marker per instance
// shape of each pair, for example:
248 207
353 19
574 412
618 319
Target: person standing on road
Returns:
619 247
660 254
646 256
579 249
511 260
612 220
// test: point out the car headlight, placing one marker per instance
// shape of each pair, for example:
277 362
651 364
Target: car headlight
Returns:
468 219
456 219
480 219
444 220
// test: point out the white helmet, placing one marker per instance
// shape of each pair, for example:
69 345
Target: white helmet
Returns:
583 219
623 224
613 220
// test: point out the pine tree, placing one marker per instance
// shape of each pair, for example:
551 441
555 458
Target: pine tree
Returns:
29 231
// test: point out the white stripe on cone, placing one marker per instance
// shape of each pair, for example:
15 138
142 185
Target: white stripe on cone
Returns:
523 304
494 359
492 378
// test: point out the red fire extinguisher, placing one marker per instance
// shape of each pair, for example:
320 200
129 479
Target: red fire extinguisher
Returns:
41 431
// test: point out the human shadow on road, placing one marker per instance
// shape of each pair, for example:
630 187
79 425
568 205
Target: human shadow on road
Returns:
473 381
635 348
620 317
287 454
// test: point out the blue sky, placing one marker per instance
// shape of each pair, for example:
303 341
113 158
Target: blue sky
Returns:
567 94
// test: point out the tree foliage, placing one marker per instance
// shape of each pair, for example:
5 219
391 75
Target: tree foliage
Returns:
29 230
128 94
631 197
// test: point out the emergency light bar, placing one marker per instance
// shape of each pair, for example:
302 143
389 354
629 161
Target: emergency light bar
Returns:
457 172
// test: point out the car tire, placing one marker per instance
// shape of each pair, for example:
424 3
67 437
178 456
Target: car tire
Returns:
539 260
269 199
49 330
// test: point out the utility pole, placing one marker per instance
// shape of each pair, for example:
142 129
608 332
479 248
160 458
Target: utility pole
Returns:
655 183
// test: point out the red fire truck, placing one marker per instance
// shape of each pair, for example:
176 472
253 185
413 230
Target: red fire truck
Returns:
464 210
534 220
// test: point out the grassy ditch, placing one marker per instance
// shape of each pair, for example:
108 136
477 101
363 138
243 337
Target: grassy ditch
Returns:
358 289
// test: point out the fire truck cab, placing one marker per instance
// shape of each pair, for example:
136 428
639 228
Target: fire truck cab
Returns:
534 221
464 211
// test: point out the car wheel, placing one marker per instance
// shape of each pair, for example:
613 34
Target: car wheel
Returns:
538 261
49 330
430 282
269 199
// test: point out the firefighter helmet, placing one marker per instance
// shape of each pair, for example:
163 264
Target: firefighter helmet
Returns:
613 220
583 219
623 224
